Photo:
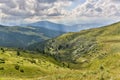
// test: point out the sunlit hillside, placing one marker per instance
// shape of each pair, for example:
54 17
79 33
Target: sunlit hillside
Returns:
92 54
95 51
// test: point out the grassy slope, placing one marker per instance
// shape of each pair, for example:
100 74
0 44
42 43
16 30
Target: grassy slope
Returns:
34 65
84 42
95 51
92 54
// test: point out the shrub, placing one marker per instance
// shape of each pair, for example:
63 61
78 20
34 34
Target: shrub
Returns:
101 68
68 65
63 64
102 78
2 61
32 61
1 68
17 67
3 50
21 70
18 53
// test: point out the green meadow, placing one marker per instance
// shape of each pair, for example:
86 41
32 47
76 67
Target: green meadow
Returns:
92 54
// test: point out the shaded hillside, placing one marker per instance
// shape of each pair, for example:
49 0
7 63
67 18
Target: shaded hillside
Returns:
23 36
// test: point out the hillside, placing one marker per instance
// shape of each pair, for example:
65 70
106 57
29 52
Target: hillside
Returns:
87 44
83 42
94 51
92 54
25 65
16 36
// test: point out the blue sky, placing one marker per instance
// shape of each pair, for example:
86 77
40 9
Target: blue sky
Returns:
76 3
59 11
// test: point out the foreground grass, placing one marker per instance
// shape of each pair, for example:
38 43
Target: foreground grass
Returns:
26 65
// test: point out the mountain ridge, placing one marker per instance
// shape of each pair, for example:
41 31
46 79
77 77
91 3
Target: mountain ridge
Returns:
16 36
64 28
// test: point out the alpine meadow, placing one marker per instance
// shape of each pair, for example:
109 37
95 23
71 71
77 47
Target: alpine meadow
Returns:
85 55
59 39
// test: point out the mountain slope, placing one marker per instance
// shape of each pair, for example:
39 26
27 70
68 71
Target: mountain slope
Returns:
86 44
16 36
92 54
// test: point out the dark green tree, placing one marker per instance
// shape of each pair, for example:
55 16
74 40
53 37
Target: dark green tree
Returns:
3 50
18 53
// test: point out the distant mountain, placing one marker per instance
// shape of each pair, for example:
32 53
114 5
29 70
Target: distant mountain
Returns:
62 27
2 26
87 26
15 36
50 25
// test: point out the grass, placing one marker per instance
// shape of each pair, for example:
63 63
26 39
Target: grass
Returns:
88 51
92 54
27 65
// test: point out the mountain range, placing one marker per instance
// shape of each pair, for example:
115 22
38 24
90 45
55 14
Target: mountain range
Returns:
92 54
62 27
28 34
17 36
59 39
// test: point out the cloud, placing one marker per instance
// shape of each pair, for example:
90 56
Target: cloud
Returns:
90 8
116 1
56 10
28 8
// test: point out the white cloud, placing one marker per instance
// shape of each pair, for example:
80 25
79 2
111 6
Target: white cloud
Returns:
28 8
96 8
56 10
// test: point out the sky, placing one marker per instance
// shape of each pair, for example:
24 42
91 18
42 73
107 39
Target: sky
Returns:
60 11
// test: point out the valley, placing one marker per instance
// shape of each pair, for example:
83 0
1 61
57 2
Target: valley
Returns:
59 39
92 54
